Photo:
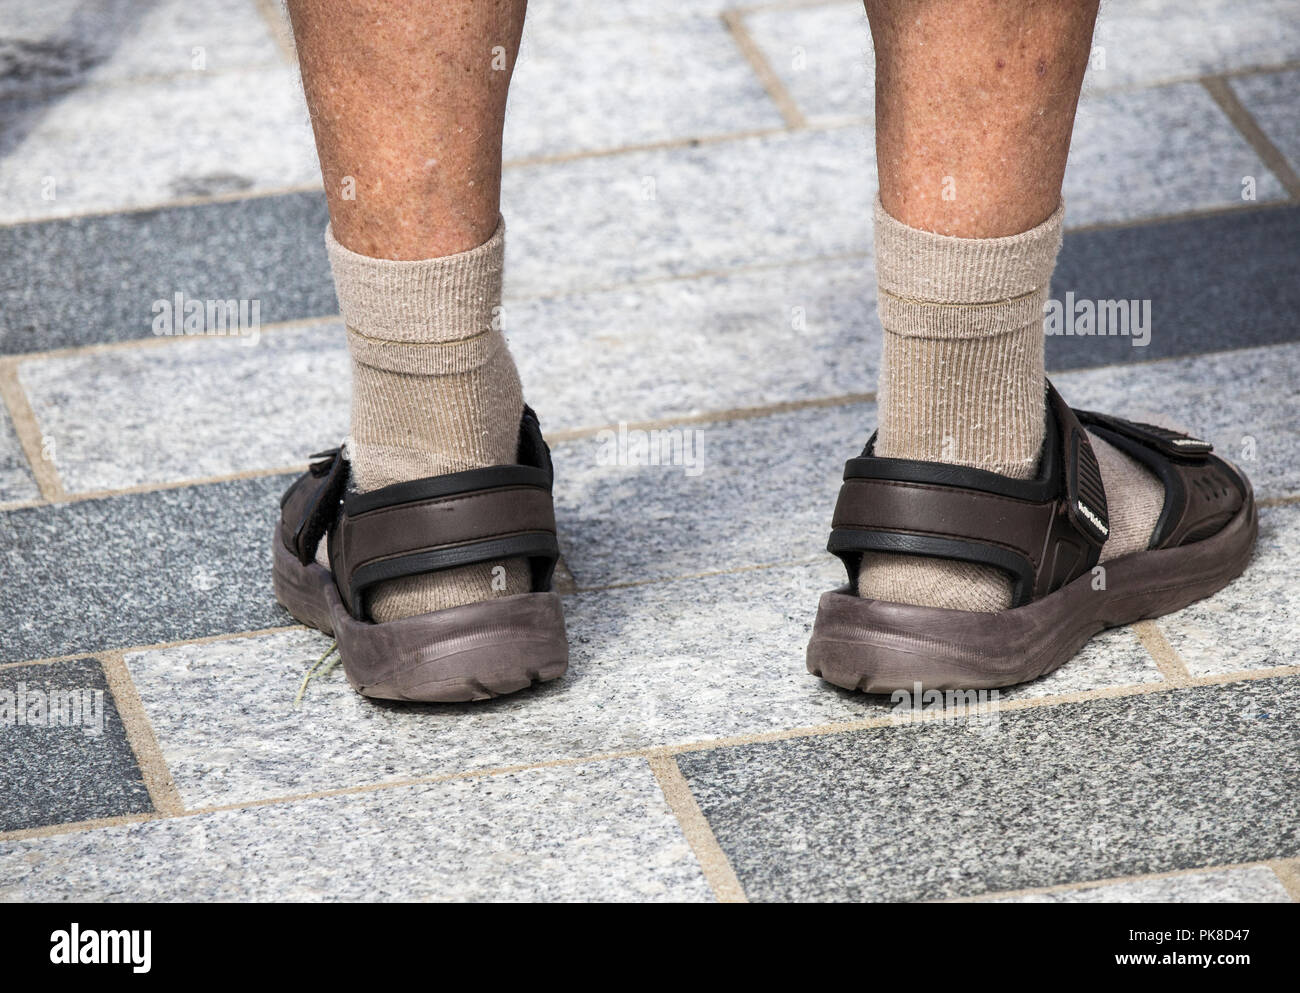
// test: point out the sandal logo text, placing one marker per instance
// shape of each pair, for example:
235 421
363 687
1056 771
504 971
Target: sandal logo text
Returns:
1099 318
77 947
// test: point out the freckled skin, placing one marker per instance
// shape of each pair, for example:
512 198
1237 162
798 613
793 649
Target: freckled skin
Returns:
983 92
404 98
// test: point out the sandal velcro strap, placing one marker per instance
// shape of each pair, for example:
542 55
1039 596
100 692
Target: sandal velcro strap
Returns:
1043 532
309 507
1174 444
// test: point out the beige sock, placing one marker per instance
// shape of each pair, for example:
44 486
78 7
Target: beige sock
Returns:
962 381
434 391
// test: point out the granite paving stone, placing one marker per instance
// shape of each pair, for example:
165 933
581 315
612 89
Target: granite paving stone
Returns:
1203 277
16 480
823 55
1255 622
138 569
1096 790
1157 151
59 44
244 403
595 832
64 755
68 283
1270 98
644 353
658 664
1254 884
1211 283
662 350
201 134
599 88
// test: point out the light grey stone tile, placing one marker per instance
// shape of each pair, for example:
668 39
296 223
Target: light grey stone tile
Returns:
823 53
603 88
1255 622
656 664
1148 41
57 44
1244 401
190 409
1109 788
593 832
644 353
632 14
1271 100
1151 152
684 211
137 144
1255 884
16 480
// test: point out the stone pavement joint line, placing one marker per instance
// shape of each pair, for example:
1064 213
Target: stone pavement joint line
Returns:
1082 696
28 432
1163 653
717 869
790 112
1288 871
139 734
1244 121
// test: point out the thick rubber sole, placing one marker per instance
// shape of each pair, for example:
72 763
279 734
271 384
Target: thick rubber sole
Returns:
879 647
474 652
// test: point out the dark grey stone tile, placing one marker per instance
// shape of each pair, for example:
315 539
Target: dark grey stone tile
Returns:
92 279
138 569
1219 282
67 762
1214 283
1108 788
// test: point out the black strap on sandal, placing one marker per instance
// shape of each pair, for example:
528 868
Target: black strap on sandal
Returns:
427 525
1043 532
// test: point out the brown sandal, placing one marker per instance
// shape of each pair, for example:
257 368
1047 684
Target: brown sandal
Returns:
471 652
1046 534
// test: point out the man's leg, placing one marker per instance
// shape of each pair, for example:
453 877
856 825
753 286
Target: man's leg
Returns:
975 103
408 102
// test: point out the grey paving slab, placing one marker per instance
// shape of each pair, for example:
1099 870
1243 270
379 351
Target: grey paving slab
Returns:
1255 884
138 569
649 352
1255 622
659 664
1107 788
1270 98
16 480
594 832
823 56
60 44
1225 281
678 211
192 409
1157 151
68 282
823 53
200 134
64 755
598 88
579 14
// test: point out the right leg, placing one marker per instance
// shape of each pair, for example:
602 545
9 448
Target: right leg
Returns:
408 103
